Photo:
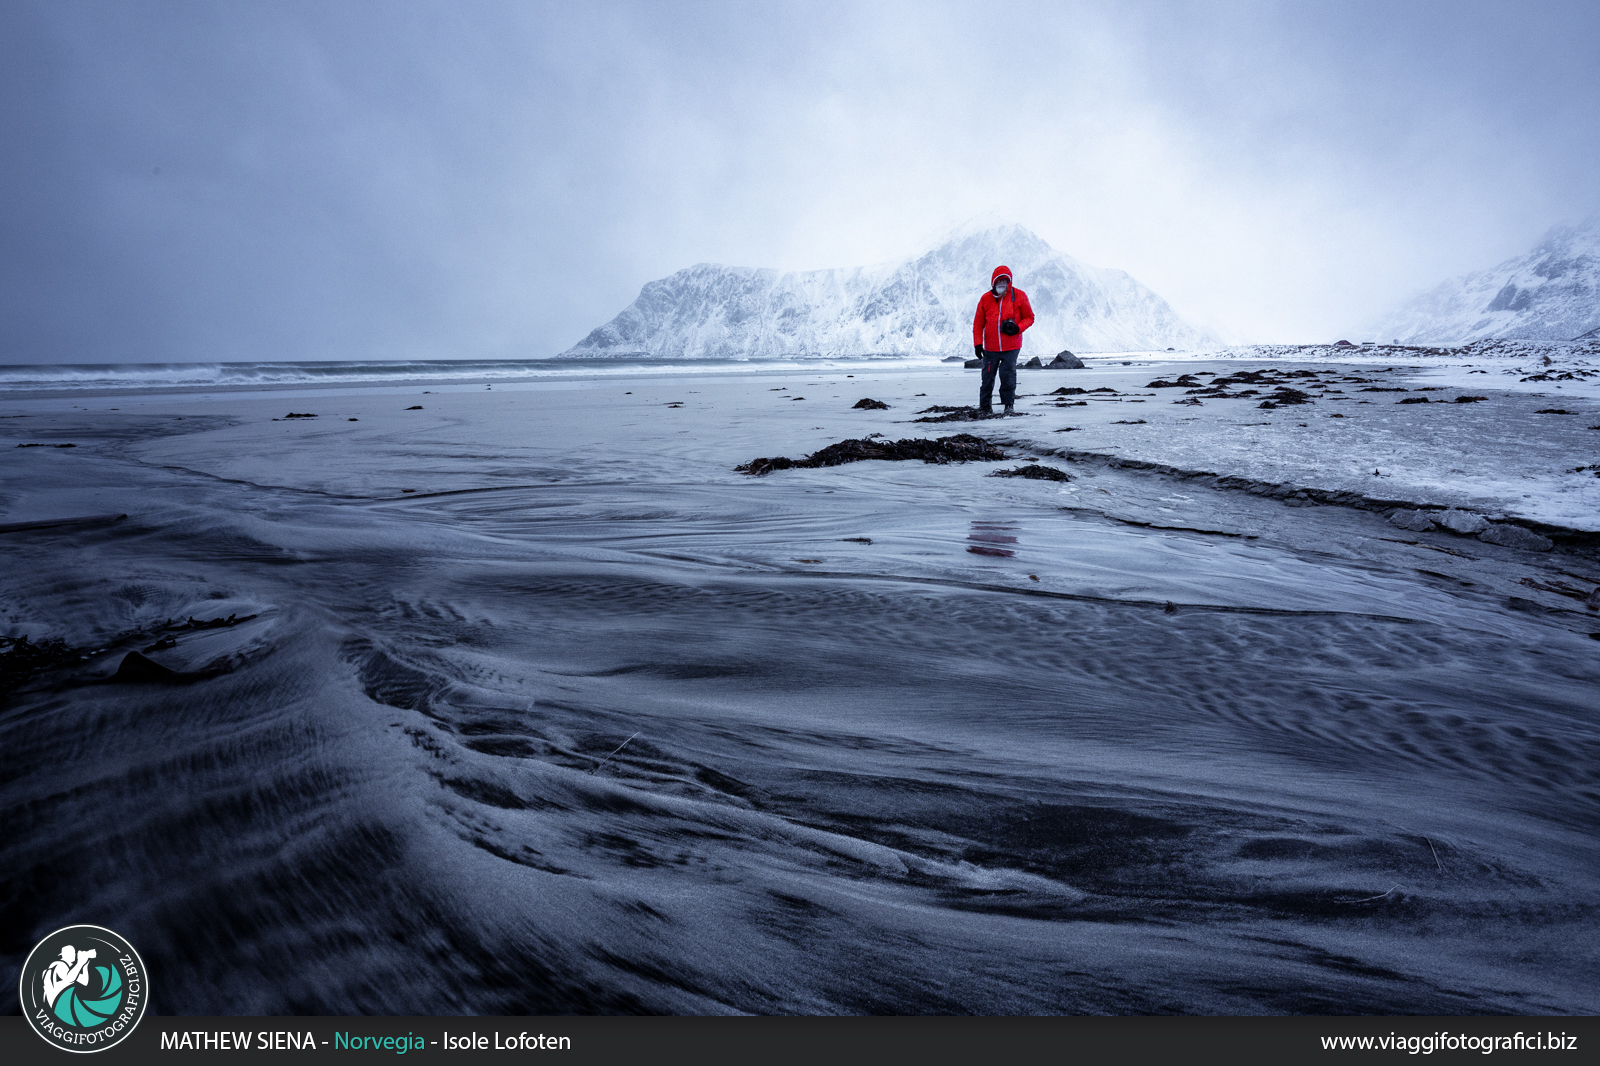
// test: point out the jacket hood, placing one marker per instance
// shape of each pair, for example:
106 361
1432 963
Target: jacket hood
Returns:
1002 272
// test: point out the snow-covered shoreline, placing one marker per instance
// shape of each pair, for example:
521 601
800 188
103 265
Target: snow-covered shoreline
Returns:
1503 458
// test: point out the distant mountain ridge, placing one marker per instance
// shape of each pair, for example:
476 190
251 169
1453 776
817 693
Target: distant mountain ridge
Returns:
923 305
1550 294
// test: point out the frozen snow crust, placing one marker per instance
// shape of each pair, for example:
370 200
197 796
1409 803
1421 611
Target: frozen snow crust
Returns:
526 701
1354 440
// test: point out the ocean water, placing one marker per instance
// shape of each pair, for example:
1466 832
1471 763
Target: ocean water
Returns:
587 722
22 379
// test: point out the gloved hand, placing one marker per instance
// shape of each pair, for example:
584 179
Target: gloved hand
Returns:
1010 328
977 351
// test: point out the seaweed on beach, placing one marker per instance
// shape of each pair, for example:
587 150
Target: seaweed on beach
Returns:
20 659
211 623
1035 472
1284 396
938 413
960 448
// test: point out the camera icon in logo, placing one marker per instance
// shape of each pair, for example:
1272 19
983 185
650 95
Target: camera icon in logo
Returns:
83 988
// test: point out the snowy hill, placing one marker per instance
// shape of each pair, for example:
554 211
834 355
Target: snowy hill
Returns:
1552 293
921 306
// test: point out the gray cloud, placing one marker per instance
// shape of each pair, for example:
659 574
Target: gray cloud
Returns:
430 180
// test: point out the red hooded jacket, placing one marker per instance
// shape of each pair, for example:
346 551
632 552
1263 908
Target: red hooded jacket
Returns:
991 312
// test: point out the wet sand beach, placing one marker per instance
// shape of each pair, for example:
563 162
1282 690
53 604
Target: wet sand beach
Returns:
524 700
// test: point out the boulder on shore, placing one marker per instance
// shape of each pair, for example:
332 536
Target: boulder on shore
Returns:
1416 521
1033 364
1463 522
1065 361
1510 536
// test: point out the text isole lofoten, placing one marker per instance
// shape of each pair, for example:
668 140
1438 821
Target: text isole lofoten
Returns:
264 1040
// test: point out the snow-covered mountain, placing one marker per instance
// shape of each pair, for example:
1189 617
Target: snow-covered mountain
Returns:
1550 294
923 305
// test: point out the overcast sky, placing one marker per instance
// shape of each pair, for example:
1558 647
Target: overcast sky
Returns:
475 179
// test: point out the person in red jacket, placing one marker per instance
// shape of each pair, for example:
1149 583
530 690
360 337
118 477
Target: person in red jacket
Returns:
1003 313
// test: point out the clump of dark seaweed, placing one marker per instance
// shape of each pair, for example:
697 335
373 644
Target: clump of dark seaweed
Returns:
211 623
20 659
1035 472
1284 395
937 413
960 448
869 404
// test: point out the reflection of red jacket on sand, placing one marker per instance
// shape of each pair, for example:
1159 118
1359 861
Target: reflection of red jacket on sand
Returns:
991 312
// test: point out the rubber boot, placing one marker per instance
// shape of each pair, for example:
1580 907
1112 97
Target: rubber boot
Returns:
1009 411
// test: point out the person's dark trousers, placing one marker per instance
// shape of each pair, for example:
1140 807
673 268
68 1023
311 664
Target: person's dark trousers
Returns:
1004 363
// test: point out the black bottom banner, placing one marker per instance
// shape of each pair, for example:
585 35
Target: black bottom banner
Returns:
941 1039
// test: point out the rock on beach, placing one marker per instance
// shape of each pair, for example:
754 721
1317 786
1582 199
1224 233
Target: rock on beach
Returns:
1509 536
1464 522
1415 521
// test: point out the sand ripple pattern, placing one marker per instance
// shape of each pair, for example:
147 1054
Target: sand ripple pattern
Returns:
688 748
